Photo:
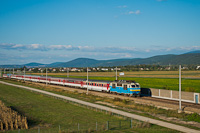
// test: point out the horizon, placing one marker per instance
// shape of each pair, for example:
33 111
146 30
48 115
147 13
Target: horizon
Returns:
100 59
48 31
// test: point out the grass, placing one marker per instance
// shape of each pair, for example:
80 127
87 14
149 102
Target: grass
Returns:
49 113
122 104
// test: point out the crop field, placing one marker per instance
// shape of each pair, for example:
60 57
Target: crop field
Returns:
49 113
147 79
149 74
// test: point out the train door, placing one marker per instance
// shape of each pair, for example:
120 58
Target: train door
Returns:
125 88
196 98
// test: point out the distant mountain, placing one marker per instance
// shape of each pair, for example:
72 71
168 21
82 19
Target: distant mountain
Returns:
80 62
55 64
196 51
34 64
183 59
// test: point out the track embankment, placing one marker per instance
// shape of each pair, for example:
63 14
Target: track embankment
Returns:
123 113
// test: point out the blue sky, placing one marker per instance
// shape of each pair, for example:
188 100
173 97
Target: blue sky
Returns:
47 31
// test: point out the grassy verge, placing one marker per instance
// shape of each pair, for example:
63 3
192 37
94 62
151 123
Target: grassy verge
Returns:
50 113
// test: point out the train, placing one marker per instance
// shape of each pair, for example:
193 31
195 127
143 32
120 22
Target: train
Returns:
123 87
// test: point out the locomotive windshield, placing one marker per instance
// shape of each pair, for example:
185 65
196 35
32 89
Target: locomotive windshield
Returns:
133 86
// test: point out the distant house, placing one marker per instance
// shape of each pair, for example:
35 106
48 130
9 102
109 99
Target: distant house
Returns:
168 68
74 69
104 69
185 67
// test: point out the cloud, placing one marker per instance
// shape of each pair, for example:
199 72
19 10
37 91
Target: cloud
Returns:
124 6
93 49
161 0
62 47
137 12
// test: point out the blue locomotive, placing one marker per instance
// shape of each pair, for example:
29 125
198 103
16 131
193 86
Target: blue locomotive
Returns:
124 87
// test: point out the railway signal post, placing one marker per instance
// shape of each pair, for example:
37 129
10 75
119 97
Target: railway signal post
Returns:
180 109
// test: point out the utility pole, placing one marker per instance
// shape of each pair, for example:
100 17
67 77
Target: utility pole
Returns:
24 73
46 76
13 71
0 73
87 80
180 110
116 73
68 72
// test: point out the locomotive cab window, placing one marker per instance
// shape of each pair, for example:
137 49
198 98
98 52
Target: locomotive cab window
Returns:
125 87
133 86
137 86
113 85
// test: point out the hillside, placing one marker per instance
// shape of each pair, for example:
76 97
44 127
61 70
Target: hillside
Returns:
183 59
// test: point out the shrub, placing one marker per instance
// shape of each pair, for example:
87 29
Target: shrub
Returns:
194 117
117 99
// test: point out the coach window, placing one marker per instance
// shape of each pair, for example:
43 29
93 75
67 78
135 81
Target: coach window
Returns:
113 85
125 87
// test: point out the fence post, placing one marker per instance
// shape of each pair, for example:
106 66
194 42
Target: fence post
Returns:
59 128
96 126
19 131
107 125
78 126
119 124
131 123
38 129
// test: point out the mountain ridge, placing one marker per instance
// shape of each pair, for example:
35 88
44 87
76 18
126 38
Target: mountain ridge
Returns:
189 58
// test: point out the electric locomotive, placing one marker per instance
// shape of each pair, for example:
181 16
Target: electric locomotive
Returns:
124 87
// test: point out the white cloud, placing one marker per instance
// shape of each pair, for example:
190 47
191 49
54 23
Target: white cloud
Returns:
124 6
161 0
133 12
93 49
17 46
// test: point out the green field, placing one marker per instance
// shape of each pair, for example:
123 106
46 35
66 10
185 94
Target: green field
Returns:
49 113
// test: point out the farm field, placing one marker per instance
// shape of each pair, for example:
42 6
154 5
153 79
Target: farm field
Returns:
147 79
50 113
149 74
